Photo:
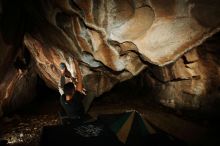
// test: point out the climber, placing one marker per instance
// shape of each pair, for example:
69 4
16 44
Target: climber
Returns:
71 99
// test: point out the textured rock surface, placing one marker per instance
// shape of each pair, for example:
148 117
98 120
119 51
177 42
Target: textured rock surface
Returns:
17 79
192 82
109 42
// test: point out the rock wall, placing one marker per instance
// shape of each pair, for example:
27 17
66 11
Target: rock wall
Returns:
108 41
18 78
192 82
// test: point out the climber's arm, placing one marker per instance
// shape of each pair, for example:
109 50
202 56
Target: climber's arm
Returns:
61 84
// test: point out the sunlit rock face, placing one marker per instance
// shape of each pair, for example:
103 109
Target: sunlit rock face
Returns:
104 42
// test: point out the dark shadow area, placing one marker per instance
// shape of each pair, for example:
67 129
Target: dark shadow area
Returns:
23 126
193 127
45 102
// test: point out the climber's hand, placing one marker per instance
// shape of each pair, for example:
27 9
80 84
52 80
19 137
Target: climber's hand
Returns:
84 91
63 72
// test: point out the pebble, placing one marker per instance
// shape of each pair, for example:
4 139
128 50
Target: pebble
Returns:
25 129
21 135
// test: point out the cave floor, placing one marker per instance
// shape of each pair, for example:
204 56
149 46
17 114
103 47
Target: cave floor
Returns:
192 132
24 126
